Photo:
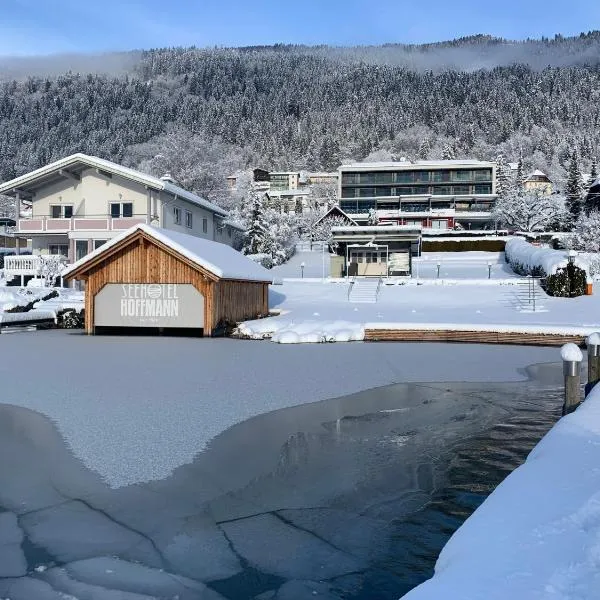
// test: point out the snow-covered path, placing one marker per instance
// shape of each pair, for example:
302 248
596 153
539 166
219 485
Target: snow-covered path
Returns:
135 408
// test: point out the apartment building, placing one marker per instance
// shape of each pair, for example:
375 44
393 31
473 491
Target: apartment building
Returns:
446 194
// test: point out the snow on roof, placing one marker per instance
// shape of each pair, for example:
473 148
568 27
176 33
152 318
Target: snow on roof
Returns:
375 229
335 209
417 163
219 259
111 167
538 173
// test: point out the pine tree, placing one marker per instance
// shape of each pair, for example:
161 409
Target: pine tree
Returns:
256 234
520 178
424 149
593 171
502 178
573 190
449 152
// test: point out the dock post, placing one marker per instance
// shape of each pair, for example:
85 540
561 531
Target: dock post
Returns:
572 357
593 352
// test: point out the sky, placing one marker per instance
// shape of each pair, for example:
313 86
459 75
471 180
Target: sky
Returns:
34 27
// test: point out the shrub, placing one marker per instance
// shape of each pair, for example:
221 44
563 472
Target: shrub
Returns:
70 319
567 282
463 245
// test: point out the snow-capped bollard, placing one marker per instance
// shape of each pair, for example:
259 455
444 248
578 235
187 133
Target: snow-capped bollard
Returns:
593 352
572 357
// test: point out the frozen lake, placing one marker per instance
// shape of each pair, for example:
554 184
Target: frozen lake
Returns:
350 497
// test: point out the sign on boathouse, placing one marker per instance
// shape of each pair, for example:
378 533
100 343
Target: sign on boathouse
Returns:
149 305
153 278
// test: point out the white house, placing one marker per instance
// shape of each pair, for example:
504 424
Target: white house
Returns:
80 202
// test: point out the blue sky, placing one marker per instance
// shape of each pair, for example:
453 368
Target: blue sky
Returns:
29 27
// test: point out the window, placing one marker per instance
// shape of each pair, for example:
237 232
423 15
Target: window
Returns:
460 190
121 209
439 224
62 249
188 219
176 215
204 225
81 248
483 188
61 211
98 243
228 231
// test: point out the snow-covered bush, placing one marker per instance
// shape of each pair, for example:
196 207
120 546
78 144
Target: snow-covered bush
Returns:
262 258
567 282
562 276
70 319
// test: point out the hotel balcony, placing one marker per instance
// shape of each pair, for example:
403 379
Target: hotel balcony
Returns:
51 225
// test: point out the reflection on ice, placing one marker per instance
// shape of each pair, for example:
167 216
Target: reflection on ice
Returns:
346 498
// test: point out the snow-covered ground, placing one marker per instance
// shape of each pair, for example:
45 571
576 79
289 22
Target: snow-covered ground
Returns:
538 534
135 408
462 265
315 311
316 265
13 296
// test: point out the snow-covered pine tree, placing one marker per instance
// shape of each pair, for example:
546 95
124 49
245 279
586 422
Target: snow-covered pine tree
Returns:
502 177
424 149
519 182
573 190
586 233
593 171
448 152
256 232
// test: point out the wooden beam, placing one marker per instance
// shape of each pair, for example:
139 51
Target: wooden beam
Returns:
23 194
104 173
69 175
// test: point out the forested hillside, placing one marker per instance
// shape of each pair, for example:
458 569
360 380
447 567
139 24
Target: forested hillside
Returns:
284 107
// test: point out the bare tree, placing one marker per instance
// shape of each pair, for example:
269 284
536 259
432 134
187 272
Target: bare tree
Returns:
530 211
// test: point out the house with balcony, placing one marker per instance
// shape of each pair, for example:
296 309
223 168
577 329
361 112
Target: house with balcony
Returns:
445 194
74 205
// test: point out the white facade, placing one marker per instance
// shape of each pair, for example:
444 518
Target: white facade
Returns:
80 202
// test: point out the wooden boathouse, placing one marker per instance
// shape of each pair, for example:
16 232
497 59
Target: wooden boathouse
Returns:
152 278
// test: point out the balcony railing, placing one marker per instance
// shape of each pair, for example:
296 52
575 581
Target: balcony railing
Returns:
88 223
31 264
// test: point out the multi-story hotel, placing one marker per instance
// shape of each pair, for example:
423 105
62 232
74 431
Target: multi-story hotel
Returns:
442 194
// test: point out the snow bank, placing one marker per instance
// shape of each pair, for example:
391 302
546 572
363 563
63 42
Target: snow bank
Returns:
532 258
301 332
538 534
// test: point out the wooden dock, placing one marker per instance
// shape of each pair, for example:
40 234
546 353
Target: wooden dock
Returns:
471 337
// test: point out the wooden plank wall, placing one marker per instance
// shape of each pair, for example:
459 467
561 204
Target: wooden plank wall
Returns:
471 337
143 262
240 300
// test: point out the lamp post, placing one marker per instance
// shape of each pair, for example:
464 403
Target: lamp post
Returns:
489 270
439 264
572 254
302 269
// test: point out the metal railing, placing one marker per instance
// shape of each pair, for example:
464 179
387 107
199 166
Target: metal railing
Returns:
30 264
379 284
